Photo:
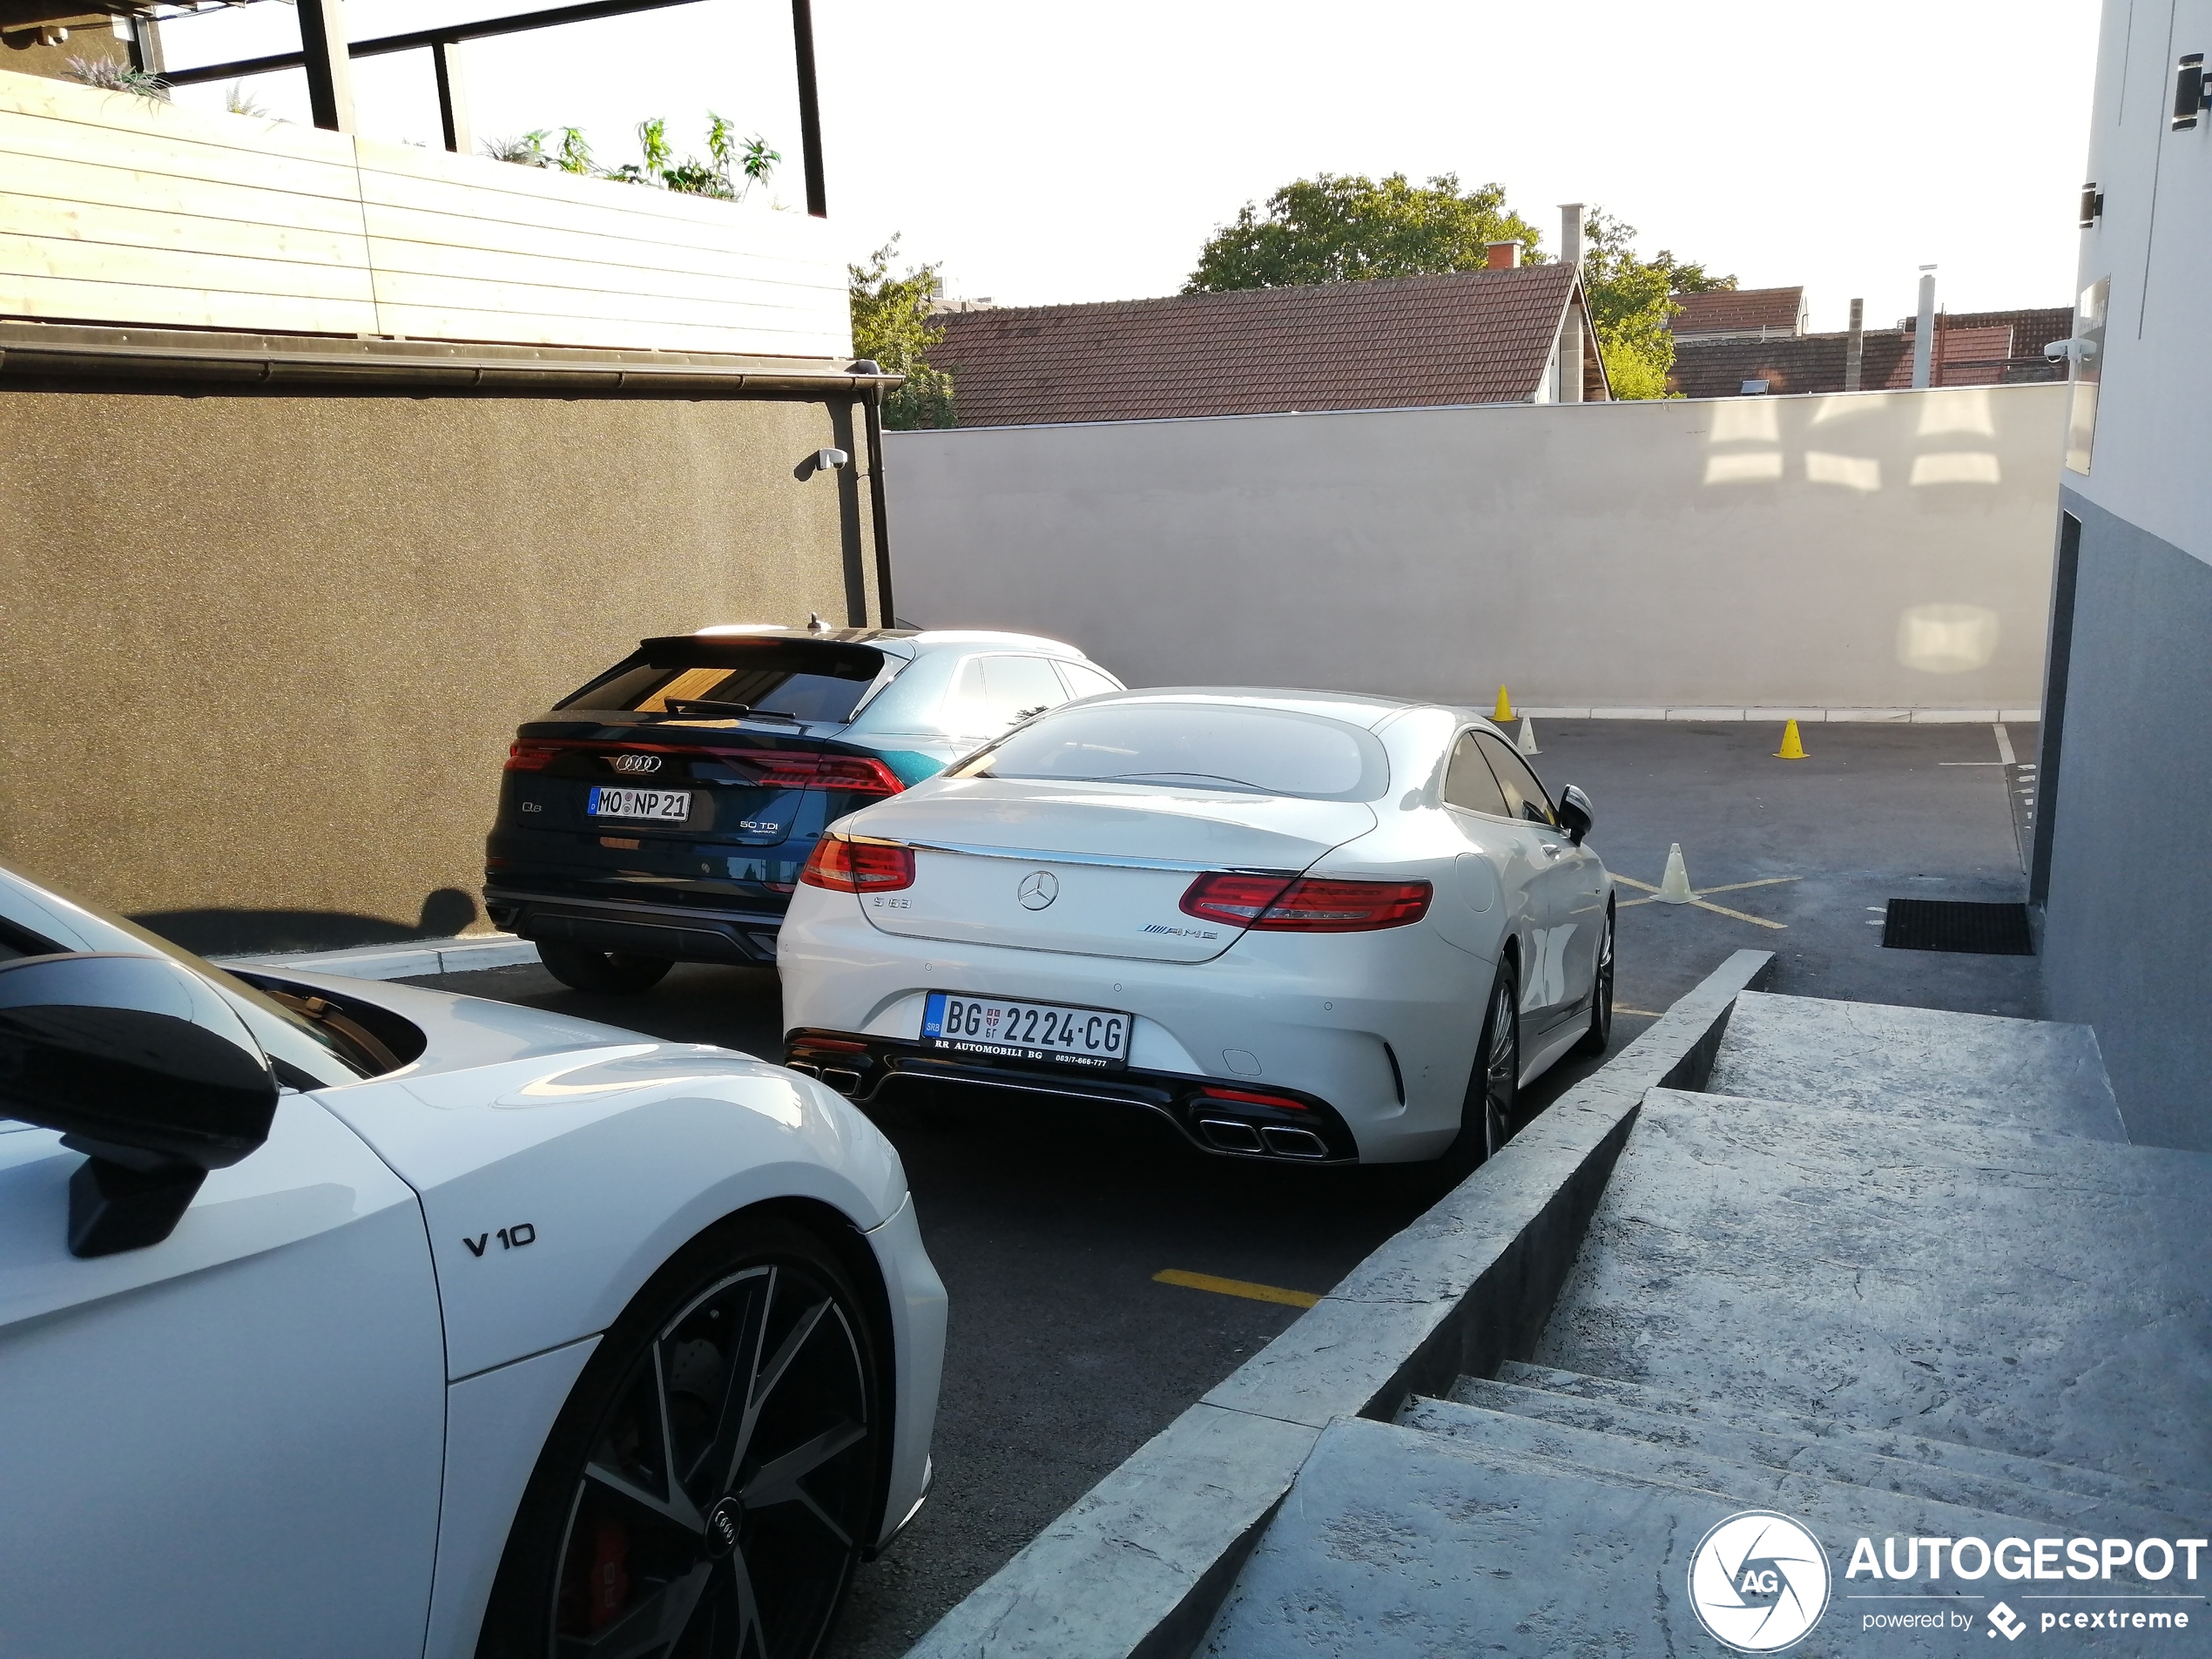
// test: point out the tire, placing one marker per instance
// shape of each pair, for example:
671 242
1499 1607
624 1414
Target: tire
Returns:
1494 1087
686 1507
613 973
1598 1037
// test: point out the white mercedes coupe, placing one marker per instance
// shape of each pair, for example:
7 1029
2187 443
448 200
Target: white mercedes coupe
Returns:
352 1319
1298 924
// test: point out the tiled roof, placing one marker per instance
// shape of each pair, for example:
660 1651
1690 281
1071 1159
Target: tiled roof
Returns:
1474 337
2032 330
1740 310
1969 356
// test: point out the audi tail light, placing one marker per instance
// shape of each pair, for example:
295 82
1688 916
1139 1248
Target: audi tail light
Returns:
855 774
859 867
1305 904
524 755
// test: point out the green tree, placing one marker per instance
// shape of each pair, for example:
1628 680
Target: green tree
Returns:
1347 227
891 323
1631 300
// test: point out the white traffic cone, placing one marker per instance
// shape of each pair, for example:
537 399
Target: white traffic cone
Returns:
1674 886
1528 744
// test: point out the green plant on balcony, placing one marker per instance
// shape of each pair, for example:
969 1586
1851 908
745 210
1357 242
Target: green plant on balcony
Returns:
113 76
729 158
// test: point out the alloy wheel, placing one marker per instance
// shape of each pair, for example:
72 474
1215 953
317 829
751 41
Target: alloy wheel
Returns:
1501 1068
721 1506
1600 1036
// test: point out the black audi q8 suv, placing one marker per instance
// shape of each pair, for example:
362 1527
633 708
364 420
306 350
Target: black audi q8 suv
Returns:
663 812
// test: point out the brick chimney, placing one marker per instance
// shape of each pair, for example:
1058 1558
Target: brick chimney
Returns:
1501 256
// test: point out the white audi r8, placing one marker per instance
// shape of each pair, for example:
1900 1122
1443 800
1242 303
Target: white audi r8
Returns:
1298 924
350 1318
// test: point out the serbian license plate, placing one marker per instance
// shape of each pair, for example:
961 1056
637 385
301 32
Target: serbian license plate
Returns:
1048 1033
667 806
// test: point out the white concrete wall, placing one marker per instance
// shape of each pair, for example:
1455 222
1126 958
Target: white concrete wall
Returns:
1878 550
2153 425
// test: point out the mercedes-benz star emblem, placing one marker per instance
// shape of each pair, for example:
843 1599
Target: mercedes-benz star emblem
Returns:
722 1523
1038 889
634 763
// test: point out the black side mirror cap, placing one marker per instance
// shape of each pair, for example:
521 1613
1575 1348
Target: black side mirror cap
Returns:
1576 816
146 1071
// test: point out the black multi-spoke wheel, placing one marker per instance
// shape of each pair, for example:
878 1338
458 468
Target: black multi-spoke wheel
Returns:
1598 1037
708 1488
1494 1090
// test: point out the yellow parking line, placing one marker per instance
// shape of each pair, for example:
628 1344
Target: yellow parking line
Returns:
1738 886
1637 1014
1723 910
1250 1292
1630 881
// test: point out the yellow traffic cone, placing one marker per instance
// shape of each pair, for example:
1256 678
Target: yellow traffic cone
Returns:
1527 743
1793 748
1674 886
1503 712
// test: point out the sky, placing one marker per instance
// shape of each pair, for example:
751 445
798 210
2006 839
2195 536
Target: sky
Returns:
1070 152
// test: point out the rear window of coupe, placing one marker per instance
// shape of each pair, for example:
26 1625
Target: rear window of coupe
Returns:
799 679
1201 745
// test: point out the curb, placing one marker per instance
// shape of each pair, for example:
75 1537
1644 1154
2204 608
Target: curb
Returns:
411 959
1139 1565
1803 717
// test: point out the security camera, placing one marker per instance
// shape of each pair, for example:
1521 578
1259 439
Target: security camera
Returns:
830 460
2070 351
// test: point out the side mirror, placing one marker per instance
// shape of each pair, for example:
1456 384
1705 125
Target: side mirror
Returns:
1576 815
146 1071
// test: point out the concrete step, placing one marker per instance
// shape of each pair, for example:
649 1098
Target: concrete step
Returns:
2048 1298
1394 1543
1687 1442
1920 1063
1975 1462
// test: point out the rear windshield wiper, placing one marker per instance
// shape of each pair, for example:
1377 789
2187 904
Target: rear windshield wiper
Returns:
709 706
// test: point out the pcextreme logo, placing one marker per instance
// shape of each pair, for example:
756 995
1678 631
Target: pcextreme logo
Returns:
1758 1581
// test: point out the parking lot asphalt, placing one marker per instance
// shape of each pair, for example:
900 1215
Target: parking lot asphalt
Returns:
1048 1224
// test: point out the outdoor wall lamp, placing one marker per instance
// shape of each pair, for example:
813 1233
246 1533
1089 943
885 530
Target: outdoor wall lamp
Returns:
830 460
2190 90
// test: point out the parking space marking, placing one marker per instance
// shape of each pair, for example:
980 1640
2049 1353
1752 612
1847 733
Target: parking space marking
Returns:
1699 898
1637 1014
1245 1288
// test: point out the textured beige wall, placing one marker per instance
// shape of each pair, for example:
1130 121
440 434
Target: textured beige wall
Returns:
260 656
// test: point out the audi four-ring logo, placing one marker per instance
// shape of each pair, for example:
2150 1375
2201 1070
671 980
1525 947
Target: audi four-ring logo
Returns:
634 763
1038 889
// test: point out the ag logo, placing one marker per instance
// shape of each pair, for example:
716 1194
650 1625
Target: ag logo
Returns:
1758 1581
1038 889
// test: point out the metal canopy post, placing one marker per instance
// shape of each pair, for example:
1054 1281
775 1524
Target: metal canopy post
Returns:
330 71
809 108
453 97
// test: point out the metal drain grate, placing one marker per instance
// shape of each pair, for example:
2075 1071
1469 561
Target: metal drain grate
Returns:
1951 924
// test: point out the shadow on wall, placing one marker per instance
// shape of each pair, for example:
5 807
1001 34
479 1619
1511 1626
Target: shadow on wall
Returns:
232 933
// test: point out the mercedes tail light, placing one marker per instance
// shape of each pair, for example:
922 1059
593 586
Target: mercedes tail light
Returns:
855 774
859 867
1305 904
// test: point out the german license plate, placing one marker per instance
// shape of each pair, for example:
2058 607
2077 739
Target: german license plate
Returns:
666 806
1046 1033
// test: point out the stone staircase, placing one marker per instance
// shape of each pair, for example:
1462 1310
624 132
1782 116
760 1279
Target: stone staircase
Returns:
1900 1275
